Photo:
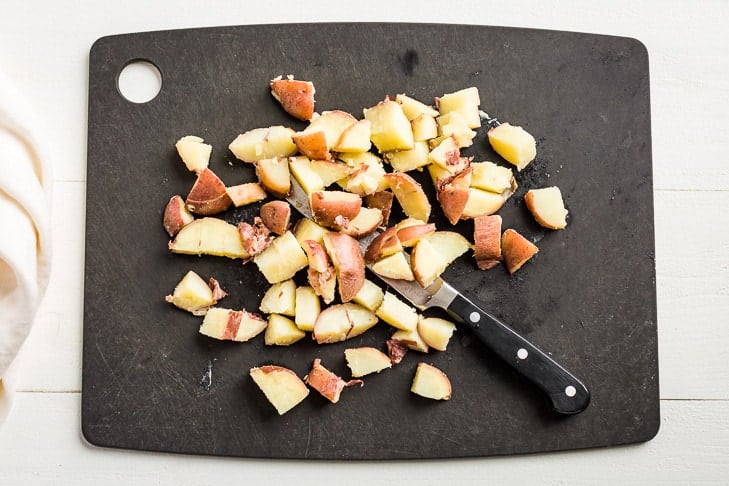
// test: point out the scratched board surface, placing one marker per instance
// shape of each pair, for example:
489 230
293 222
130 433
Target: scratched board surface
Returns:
152 382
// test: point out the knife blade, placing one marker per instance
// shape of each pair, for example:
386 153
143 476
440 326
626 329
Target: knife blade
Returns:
566 393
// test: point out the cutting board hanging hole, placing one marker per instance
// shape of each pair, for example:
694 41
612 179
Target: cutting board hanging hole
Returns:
139 81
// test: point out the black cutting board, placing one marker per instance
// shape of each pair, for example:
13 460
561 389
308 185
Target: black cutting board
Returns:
588 297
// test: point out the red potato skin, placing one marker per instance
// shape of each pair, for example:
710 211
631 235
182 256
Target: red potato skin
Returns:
456 166
362 228
256 237
330 207
406 189
312 144
453 195
234 320
516 249
396 350
218 292
273 186
401 179
453 156
487 241
410 235
386 243
532 206
321 274
296 97
324 283
276 215
231 328
266 369
328 384
274 368
208 195
381 200
348 263
318 258
176 216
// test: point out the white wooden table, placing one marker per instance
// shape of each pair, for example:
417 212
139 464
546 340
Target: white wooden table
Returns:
44 46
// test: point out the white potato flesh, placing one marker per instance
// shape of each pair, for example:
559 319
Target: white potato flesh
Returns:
547 207
282 259
369 296
194 153
514 144
394 266
366 360
308 308
192 293
209 236
436 332
397 313
282 331
280 298
281 386
263 143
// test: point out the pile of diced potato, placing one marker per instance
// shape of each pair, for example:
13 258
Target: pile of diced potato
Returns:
352 170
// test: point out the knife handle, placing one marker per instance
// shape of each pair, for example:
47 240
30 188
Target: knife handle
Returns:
567 394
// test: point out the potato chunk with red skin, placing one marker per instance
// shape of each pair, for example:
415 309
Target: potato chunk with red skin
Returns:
295 96
365 223
321 273
431 382
409 193
256 237
517 250
547 207
340 322
333 208
381 200
208 195
274 176
328 384
232 325
312 144
348 261
396 350
176 215
411 234
194 295
385 244
281 386
276 215
453 195
487 241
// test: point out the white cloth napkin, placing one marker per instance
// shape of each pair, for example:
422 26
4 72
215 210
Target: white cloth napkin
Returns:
25 203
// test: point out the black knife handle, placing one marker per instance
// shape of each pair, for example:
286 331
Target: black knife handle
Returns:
567 394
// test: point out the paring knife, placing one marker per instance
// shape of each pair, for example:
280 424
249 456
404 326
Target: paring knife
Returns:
567 394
